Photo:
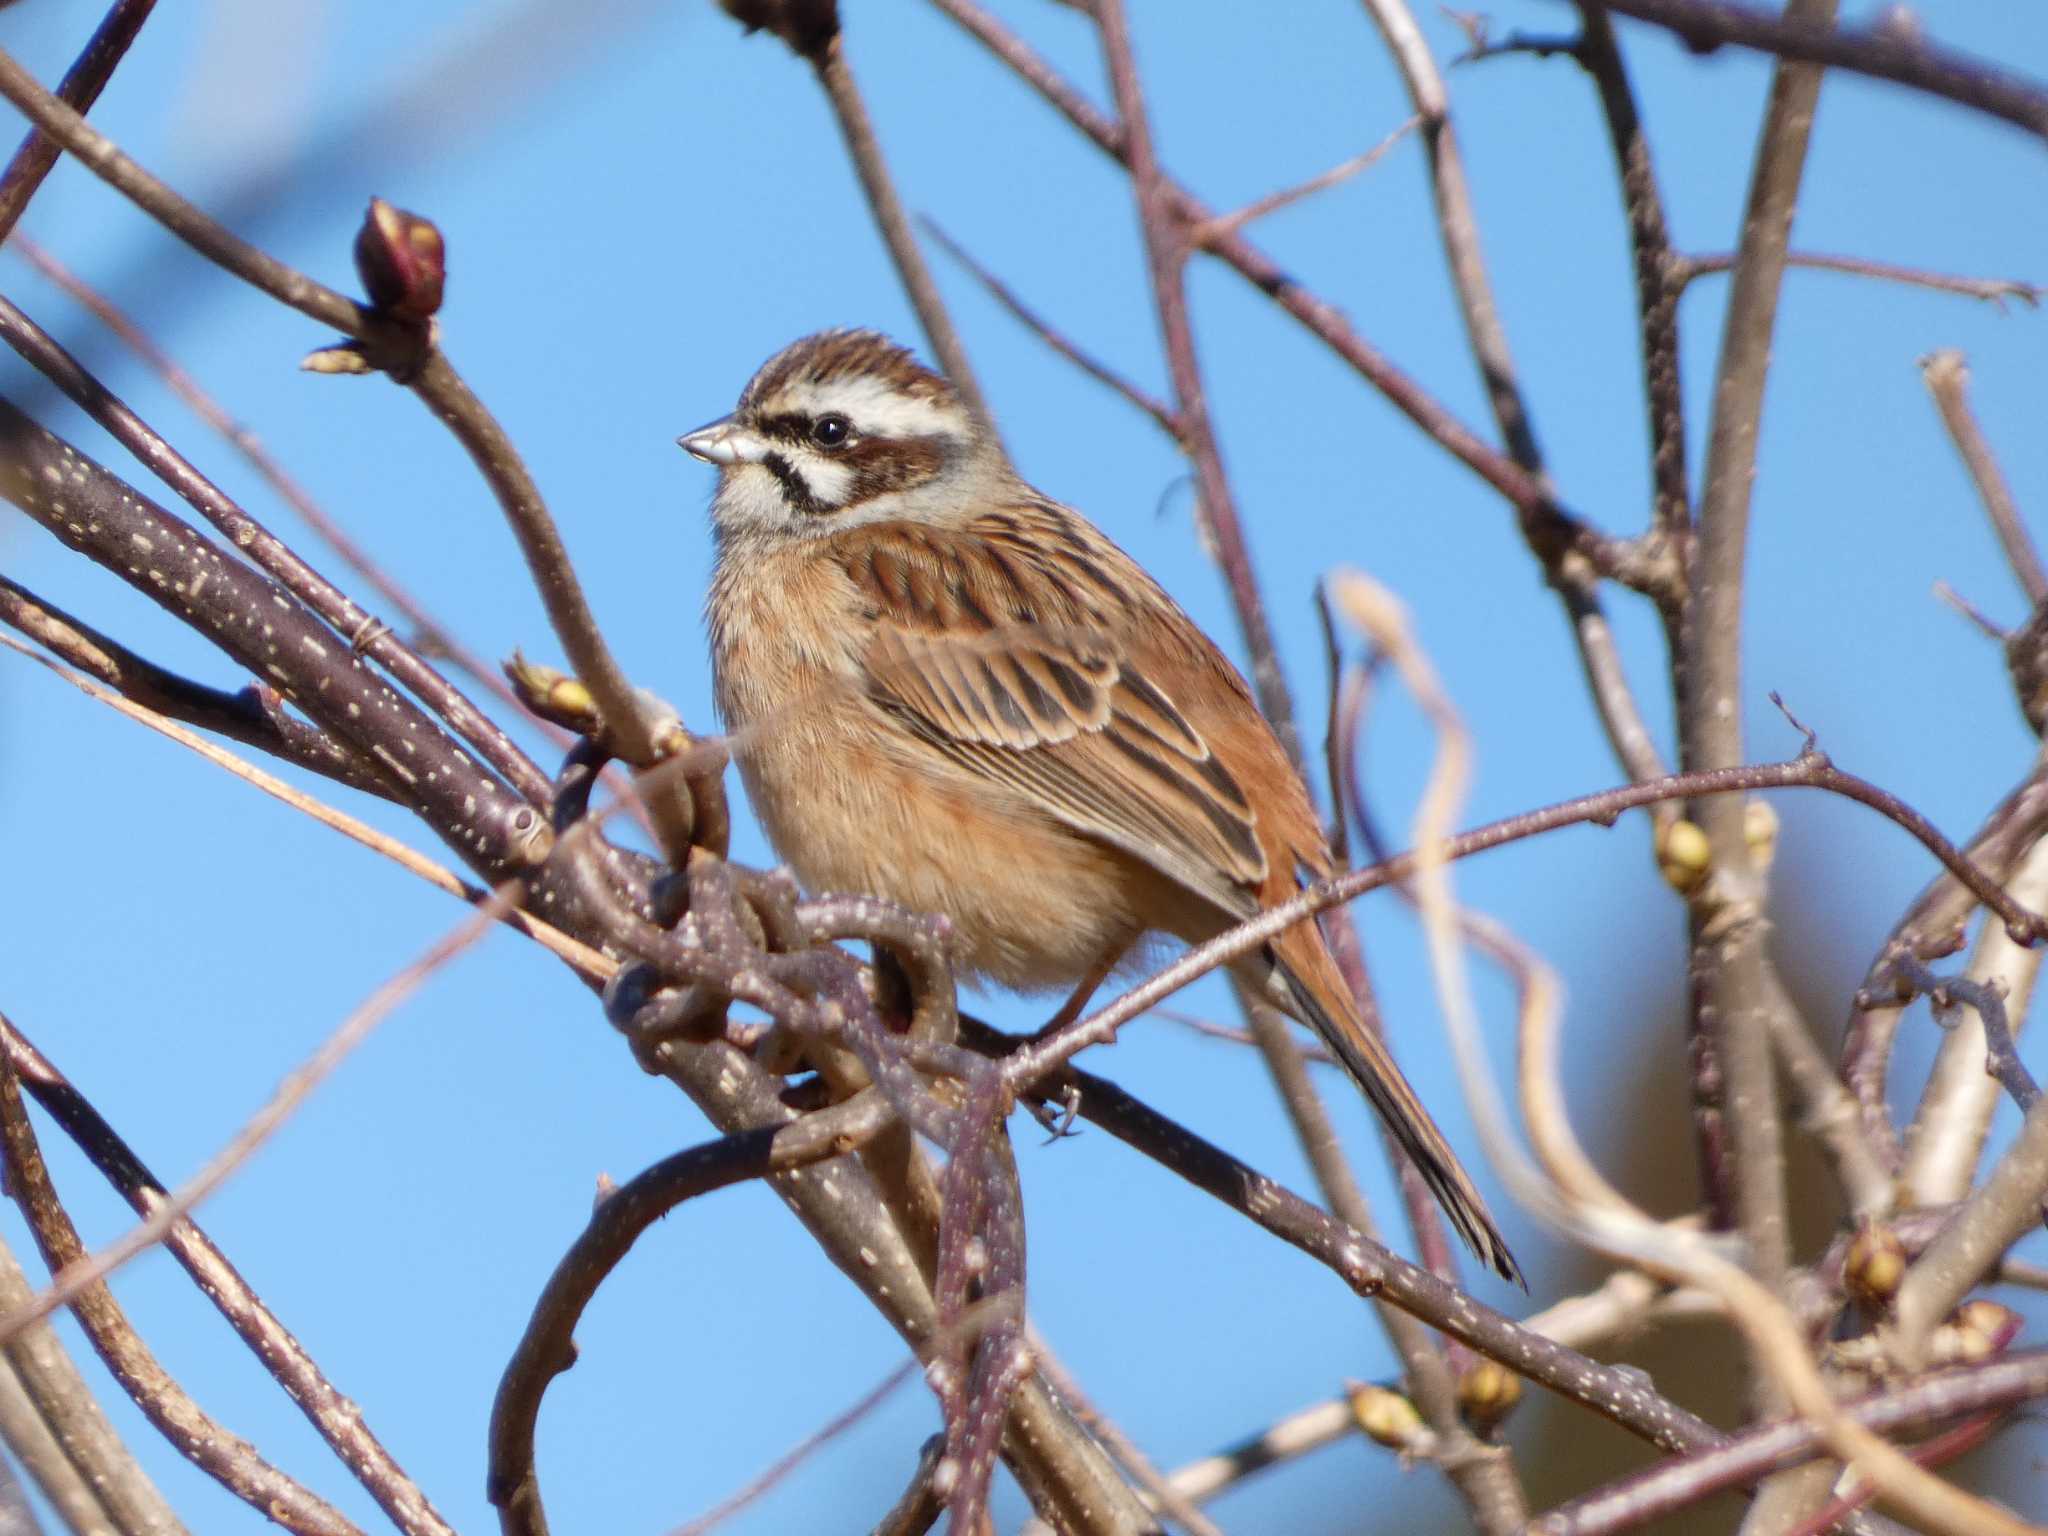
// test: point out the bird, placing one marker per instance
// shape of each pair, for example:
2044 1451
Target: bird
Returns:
951 691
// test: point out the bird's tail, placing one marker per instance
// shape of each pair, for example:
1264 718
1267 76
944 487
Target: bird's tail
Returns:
1310 987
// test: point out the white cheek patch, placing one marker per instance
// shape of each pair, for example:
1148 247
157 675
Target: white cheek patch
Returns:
829 481
876 409
749 498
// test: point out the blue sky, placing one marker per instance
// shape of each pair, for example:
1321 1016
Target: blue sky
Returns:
640 205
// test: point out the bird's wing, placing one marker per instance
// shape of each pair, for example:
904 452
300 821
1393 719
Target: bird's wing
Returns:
1011 648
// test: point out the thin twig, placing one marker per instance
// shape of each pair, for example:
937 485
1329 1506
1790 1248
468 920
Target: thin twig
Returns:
1230 223
428 634
1892 49
1993 290
1968 1247
1945 1140
836 76
1658 286
83 1272
1458 226
338 1421
1931 927
1950 994
1150 404
1731 985
1673 1485
227 1458
80 87
1165 228
547 1347
362 631
797 1454
82 1466
1811 770
255 716
591 962
1947 377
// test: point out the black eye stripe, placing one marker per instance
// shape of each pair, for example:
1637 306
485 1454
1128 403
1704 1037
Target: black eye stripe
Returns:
786 426
795 489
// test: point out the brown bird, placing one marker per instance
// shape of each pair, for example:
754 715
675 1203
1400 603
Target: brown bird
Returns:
971 702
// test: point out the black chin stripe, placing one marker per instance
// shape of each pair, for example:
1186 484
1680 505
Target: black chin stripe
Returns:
795 490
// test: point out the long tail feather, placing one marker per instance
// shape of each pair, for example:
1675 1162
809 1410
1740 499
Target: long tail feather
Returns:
1329 1010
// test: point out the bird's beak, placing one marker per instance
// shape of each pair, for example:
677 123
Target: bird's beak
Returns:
725 442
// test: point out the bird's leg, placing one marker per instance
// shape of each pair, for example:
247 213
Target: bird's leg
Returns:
1077 1000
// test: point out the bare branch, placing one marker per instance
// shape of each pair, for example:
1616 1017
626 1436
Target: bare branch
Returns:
255 716
364 632
581 956
1459 227
836 76
1947 377
428 634
104 159
1733 990
1160 413
62 1437
1970 1245
338 1421
1890 50
1931 927
80 88
1992 290
1165 224
78 1274
1658 285
1946 1137
1811 770
1675 1484
1230 223
790 1460
97 514
225 1457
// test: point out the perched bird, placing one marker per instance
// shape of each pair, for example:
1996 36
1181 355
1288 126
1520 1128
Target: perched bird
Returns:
967 700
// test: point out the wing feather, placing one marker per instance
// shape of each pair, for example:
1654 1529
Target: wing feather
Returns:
1024 665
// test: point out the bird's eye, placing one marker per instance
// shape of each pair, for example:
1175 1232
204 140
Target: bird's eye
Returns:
831 431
